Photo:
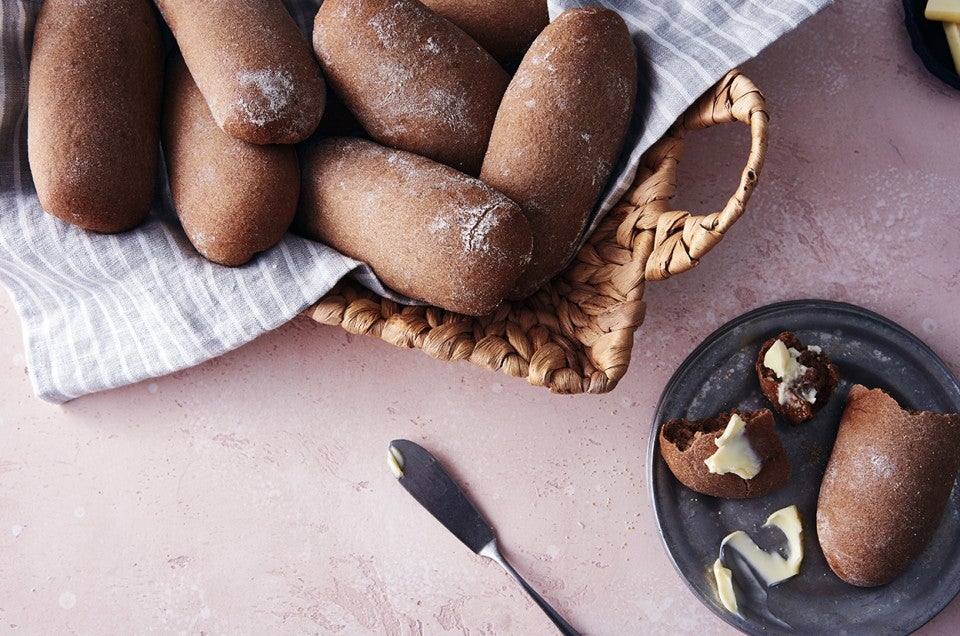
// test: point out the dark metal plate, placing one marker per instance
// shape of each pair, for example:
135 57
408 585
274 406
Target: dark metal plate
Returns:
868 349
930 43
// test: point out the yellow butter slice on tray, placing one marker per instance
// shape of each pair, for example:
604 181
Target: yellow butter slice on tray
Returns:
772 567
952 29
725 587
943 10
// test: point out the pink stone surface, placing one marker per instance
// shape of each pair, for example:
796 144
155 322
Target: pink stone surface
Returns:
251 494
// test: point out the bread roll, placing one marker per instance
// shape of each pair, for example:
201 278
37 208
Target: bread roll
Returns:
252 65
414 81
233 198
559 131
93 121
811 378
505 28
886 486
428 231
686 444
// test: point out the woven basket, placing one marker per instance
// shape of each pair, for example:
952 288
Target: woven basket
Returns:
575 335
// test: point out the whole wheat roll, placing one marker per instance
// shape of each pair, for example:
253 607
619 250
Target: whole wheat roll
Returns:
505 28
234 199
252 65
559 130
887 483
93 118
414 80
428 231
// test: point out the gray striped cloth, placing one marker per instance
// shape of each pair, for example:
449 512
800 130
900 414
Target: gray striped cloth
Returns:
104 311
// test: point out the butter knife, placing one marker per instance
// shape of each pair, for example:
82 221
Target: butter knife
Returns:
424 477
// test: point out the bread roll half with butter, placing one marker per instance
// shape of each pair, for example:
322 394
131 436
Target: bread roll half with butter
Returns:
559 131
414 80
734 455
797 379
234 198
427 230
93 120
252 66
887 483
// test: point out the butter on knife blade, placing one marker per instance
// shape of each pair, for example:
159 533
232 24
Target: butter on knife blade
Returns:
395 461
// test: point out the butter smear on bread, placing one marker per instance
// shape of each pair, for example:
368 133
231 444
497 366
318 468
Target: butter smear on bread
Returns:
734 452
785 364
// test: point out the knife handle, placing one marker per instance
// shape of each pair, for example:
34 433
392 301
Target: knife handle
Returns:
493 553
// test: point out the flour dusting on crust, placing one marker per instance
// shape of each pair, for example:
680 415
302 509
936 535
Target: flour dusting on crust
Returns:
266 93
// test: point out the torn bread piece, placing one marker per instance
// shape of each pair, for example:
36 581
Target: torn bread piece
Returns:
797 379
734 455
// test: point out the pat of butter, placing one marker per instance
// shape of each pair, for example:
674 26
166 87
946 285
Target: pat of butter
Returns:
395 461
770 566
734 452
782 361
943 10
785 364
725 591
952 31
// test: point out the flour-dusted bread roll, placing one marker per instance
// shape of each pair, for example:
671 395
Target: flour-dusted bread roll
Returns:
503 27
686 446
414 81
93 120
560 129
886 486
252 65
427 230
234 198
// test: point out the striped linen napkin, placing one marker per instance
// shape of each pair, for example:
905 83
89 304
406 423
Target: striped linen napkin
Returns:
103 311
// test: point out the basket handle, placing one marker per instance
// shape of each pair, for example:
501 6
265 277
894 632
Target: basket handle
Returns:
677 239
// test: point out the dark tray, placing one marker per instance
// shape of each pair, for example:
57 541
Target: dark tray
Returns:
719 375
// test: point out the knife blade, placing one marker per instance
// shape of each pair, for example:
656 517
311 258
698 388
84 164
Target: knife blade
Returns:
431 485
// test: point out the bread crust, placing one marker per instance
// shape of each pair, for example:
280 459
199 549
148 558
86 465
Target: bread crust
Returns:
252 65
885 488
233 198
505 28
822 374
415 81
428 231
559 130
93 122
686 444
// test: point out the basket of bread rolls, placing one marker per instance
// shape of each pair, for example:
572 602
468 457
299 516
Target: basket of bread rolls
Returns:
458 149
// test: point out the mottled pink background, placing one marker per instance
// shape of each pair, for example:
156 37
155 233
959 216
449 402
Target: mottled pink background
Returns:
251 494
